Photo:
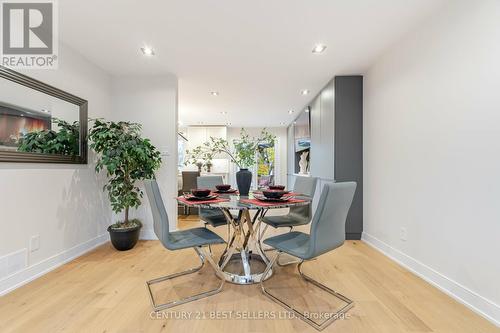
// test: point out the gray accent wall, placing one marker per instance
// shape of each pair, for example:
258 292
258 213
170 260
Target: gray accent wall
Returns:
348 161
336 143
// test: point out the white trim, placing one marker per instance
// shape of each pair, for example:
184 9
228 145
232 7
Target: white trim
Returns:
477 303
35 271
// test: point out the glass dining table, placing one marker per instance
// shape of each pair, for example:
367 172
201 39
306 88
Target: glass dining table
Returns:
243 261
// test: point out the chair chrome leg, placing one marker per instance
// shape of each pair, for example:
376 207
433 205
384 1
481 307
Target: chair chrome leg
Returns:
318 326
202 255
291 262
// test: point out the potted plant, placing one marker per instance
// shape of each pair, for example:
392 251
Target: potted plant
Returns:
242 153
201 157
199 164
208 166
127 159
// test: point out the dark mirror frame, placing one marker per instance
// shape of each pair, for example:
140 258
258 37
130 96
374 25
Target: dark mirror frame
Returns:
15 156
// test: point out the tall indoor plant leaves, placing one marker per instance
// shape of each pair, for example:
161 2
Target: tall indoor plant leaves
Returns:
127 158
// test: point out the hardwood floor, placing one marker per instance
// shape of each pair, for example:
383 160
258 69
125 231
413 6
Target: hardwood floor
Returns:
104 291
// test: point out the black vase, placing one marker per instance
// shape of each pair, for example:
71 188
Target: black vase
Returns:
244 180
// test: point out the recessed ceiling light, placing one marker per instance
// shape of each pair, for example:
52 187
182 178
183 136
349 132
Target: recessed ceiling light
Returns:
290 111
318 48
214 93
305 92
148 51
223 113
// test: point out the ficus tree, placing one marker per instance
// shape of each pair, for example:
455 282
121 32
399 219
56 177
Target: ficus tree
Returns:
127 158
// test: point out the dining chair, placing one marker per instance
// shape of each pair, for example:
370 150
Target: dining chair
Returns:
306 186
188 183
214 217
326 234
296 216
196 238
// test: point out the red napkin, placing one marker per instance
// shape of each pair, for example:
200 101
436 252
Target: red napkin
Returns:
271 203
200 202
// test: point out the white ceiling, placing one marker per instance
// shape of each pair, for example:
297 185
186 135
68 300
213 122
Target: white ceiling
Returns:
257 53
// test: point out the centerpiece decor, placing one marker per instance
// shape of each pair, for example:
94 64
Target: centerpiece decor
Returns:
242 152
127 159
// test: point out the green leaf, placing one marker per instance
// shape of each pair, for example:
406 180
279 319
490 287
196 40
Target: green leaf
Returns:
127 157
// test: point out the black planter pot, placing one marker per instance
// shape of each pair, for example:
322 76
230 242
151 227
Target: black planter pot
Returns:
244 180
124 239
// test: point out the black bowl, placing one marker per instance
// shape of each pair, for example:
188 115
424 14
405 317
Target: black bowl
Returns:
201 192
223 187
274 194
277 187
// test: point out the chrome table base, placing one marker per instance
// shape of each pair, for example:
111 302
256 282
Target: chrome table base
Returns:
244 271
238 263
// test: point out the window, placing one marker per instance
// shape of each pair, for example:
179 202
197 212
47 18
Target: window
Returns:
265 165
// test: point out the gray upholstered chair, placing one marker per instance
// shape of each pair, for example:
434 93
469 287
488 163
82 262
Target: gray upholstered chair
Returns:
300 215
214 217
297 215
195 238
188 183
327 233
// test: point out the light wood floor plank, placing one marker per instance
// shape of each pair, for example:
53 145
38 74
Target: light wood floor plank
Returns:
104 291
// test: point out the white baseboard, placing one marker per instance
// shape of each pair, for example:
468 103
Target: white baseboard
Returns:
33 272
469 298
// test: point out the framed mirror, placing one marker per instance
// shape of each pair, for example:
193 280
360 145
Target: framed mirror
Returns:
40 123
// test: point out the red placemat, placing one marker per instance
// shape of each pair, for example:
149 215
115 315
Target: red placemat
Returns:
200 202
270 203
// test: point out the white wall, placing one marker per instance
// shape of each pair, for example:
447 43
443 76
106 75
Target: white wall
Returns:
63 204
281 157
432 152
152 101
